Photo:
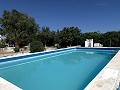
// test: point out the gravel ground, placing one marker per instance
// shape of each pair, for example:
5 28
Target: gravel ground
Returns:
5 54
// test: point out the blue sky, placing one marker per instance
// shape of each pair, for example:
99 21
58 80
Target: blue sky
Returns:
88 15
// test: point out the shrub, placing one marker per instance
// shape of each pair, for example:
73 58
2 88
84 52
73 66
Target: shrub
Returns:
36 46
2 46
16 49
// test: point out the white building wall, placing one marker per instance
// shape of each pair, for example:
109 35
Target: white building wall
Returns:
86 44
89 43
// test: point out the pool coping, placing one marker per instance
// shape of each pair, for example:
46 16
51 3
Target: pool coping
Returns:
42 52
109 77
6 85
74 47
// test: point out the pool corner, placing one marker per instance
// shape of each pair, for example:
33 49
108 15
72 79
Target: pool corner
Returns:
109 77
5 85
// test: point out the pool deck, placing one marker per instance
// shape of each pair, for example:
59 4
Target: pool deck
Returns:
109 77
5 85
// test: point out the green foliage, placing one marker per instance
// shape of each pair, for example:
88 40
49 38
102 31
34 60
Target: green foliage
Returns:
96 36
16 49
18 27
46 36
2 46
36 46
69 36
108 39
2 43
111 39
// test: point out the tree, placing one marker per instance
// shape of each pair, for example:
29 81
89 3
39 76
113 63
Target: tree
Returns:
69 36
46 36
18 27
111 39
96 36
56 37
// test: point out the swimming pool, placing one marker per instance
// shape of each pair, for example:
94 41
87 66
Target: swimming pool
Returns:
65 69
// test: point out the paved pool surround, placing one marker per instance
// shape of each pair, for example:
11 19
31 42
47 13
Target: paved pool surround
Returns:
107 79
5 85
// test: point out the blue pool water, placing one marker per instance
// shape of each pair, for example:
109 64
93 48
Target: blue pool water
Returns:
64 70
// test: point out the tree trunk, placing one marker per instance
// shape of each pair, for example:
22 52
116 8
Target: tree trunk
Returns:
17 44
45 43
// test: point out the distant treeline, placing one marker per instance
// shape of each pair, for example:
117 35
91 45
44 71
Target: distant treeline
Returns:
20 30
72 36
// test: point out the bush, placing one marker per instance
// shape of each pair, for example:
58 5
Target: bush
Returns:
2 46
36 46
16 49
